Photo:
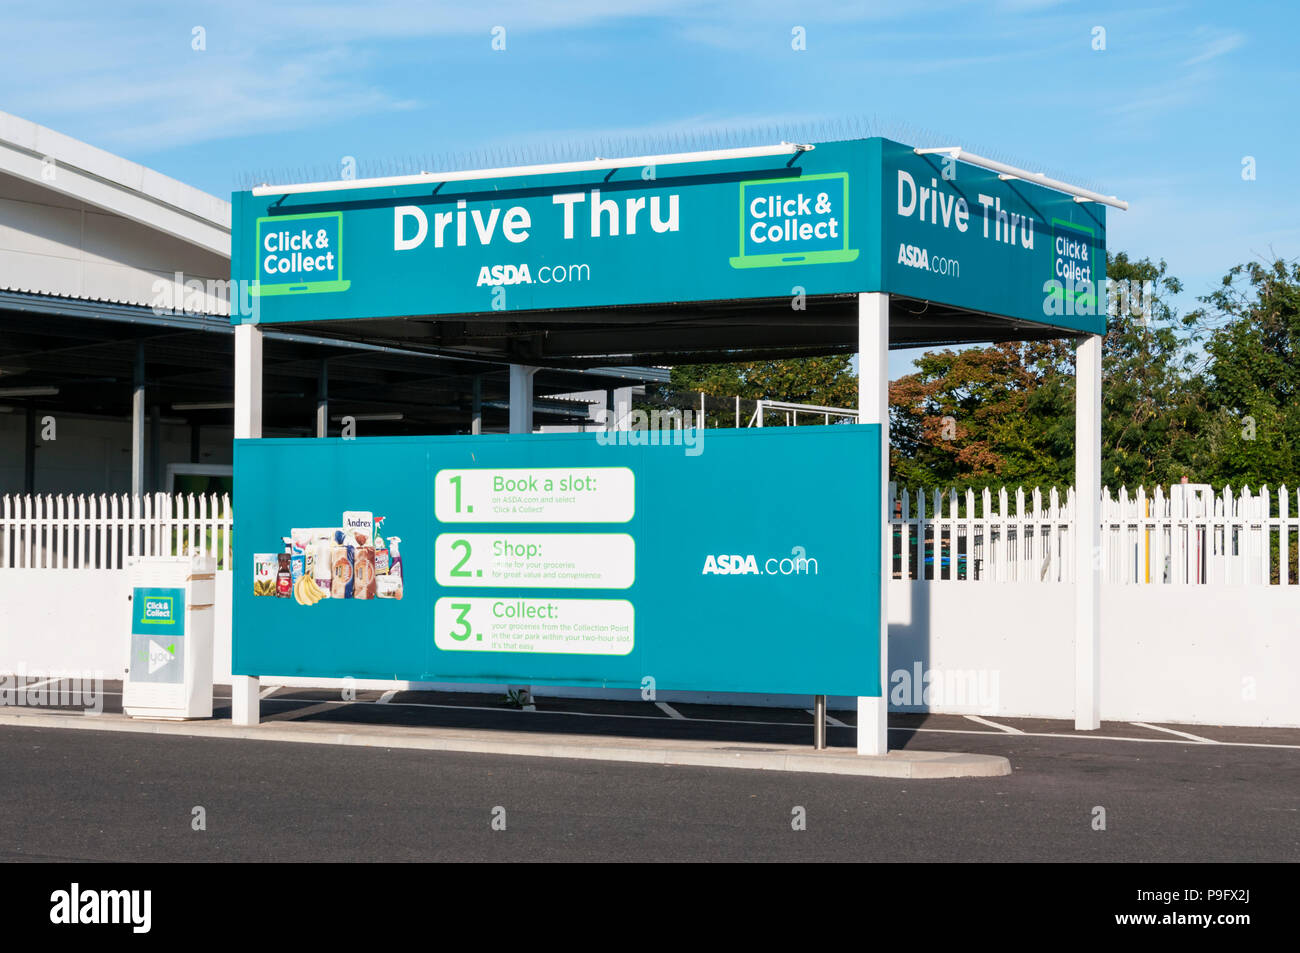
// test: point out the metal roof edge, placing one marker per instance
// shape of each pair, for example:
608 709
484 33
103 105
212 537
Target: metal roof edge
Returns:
115 184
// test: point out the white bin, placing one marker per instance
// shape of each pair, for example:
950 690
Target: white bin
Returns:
169 637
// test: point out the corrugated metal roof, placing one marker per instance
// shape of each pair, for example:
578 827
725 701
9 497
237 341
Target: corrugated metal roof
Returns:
18 287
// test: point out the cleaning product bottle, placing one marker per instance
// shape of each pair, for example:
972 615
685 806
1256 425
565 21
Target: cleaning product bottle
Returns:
395 565
381 549
322 571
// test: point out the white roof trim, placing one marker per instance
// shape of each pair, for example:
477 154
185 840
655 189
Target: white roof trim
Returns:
1012 172
113 184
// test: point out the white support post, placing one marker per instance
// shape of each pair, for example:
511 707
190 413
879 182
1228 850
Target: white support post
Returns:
476 407
521 398
1087 535
322 400
137 422
155 449
521 421
873 408
29 451
622 408
245 704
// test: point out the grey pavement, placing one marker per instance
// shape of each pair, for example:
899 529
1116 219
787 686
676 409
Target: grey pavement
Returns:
96 795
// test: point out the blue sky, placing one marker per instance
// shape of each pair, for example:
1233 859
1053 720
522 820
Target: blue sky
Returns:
1162 117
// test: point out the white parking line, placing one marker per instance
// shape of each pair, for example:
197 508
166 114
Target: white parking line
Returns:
1181 734
387 696
830 719
669 710
1087 737
28 688
993 724
268 691
791 724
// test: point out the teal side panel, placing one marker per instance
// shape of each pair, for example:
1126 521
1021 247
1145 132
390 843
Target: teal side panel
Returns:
1007 248
743 573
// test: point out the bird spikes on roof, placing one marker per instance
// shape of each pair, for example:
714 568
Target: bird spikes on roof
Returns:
612 147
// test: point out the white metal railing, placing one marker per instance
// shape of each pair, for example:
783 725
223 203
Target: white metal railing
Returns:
1188 536
102 532
792 412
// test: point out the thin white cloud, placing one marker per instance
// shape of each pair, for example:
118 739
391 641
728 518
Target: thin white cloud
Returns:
133 77
210 96
1219 46
1026 6
1181 90
1157 101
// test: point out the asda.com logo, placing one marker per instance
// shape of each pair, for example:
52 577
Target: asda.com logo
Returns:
798 563
914 256
496 275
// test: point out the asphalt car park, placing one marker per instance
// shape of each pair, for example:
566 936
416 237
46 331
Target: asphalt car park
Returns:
1129 792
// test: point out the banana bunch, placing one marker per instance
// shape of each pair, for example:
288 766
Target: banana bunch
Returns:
307 592
263 587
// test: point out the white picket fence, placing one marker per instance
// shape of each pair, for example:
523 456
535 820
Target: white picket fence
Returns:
1189 536
102 532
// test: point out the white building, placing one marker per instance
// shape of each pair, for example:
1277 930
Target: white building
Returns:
113 377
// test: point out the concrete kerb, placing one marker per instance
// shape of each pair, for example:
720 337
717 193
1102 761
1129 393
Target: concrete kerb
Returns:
761 757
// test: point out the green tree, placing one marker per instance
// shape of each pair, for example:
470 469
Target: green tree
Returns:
822 381
1251 329
982 416
1004 414
1152 406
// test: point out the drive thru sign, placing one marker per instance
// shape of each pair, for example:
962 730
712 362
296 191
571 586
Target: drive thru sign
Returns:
843 218
969 250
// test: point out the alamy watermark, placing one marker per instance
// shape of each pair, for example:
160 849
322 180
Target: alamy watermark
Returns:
658 428
1083 297
206 296
81 905
976 690
38 689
